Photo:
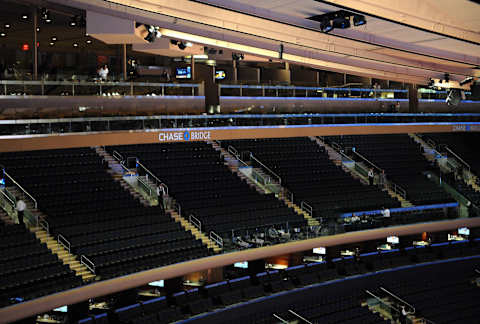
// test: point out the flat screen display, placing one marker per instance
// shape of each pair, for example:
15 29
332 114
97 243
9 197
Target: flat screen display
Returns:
320 250
242 265
463 231
183 72
393 240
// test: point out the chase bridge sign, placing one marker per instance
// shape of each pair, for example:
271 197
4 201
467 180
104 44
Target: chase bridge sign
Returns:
185 136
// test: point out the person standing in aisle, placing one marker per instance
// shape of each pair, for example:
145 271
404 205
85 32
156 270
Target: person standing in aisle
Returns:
20 210
370 177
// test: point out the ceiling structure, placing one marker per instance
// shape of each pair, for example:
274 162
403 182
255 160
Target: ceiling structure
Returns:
401 42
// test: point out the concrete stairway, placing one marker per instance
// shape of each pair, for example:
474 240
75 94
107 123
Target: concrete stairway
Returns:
187 226
310 220
116 170
30 205
5 218
66 257
233 163
403 202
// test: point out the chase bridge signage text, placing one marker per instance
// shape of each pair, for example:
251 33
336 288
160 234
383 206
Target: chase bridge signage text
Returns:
184 136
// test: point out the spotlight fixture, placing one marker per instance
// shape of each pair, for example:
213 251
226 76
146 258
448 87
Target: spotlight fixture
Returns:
149 33
326 26
74 21
88 41
237 56
188 44
340 19
181 46
359 20
45 15
75 44
52 43
38 29
7 25
54 38
3 34
24 16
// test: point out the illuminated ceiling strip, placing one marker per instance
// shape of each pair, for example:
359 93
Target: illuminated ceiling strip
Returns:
288 57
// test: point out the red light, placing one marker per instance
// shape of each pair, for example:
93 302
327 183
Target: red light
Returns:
25 47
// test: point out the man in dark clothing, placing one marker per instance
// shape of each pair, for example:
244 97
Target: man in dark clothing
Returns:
370 177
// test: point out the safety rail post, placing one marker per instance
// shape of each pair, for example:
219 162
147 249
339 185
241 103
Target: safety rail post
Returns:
299 316
399 299
216 238
306 207
87 263
458 158
252 157
383 302
43 223
150 174
24 192
64 242
195 221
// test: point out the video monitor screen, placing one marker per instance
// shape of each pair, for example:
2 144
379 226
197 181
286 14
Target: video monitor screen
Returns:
393 240
242 265
220 74
183 73
464 231
159 283
320 250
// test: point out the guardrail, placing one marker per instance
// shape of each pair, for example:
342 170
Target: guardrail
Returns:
299 316
280 319
43 223
384 305
195 221
216 238
399 299
288 194
458 158
397 189
149 174
307 208
24 192
64 242
99 88
368 161
145 186
7 203
118 156
272 174
87 263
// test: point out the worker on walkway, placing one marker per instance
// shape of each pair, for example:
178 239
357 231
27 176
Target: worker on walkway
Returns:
370 177
20 210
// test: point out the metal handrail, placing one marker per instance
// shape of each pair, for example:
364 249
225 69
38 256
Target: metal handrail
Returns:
63 241
398 298
477 271
280 319
145 185
87 263
306 207
42 222
195 221
177 208
266 168
216 238
288 193
368 161
8 198
158 182
397 189
458 157
233 151
117 156
21 188
381 301
299 316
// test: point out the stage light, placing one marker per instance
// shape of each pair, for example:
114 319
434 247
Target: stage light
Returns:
52 43
7 25
326 26
188 44
182 46
3 35
341 23
54 38
359 20
38 29
24 16
75 44
73 21
153 32
88 41
45 15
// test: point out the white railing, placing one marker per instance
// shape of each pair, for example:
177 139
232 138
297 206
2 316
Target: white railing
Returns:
397 189
9 200
381 301
87 263
24 192
64 242
402 301
149 174
233 151
368 161
280 319
117 156
42 222
146 186
299 316
458 157
272 174
307 208
195 221
216 238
